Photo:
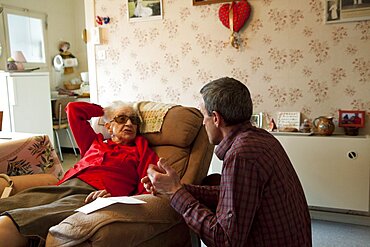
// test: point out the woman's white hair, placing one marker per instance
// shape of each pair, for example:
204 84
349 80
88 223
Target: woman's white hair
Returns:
113 107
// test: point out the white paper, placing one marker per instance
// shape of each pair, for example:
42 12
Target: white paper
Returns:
105 202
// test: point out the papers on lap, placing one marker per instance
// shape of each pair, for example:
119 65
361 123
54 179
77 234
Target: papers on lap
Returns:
100 203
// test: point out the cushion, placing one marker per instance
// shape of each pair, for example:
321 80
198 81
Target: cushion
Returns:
152 115
98 125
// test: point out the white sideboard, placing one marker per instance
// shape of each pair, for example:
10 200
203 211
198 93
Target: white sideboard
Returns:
334 170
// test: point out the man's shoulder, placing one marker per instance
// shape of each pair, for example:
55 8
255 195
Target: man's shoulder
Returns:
254 136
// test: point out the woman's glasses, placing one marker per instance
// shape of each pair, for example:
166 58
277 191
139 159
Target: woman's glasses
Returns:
122 119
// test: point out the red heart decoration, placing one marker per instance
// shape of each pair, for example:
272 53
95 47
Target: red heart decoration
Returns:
241 12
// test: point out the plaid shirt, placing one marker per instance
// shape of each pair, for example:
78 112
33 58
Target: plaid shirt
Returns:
260 201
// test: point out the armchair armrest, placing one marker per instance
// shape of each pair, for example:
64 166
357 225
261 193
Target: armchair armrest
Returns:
141 223
26 154
27 181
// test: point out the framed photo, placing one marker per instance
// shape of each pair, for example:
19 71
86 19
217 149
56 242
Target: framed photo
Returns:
203 2
348 118
288 120
346 10
256 120
144 10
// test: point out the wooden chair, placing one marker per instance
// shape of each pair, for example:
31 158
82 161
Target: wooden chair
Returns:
60 122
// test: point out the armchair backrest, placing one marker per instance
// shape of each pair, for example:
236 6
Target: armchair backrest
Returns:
184 142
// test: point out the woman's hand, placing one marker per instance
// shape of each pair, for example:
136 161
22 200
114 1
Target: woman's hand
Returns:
99 193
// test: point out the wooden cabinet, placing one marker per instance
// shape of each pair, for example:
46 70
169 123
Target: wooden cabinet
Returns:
334 170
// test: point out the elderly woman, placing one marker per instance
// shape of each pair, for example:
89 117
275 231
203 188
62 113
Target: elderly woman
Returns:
110 167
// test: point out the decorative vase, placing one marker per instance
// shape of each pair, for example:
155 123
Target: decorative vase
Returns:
324 125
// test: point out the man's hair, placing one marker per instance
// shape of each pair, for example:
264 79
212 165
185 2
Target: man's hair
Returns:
113 107
230 98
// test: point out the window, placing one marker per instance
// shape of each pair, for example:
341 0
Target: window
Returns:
26 31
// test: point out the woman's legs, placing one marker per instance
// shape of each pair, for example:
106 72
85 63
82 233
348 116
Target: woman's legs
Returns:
9 234
31 212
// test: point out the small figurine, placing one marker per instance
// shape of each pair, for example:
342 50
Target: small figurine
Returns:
306 126
10 64
65 53
272 125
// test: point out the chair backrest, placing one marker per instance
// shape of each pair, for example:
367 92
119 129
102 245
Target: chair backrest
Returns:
59 113
1 120
184 142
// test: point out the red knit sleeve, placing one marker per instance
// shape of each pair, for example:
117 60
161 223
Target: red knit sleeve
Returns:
78 115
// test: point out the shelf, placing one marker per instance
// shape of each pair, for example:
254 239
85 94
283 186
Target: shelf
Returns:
291 133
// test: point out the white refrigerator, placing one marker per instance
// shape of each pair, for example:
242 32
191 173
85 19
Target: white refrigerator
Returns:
25 101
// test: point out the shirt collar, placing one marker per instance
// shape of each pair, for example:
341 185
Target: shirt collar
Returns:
226 143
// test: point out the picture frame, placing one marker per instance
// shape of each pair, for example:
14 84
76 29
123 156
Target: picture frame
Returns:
351 118
288 120
337 11
256 120
144 10
204 2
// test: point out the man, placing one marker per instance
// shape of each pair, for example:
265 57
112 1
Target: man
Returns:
110 167
260 201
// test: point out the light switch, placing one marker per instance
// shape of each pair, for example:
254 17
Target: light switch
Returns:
96 35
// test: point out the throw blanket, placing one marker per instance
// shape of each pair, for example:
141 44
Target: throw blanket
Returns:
152 115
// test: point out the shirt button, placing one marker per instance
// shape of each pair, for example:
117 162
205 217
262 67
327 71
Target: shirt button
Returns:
230 215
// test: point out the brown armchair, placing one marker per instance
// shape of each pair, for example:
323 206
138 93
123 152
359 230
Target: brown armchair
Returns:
184 142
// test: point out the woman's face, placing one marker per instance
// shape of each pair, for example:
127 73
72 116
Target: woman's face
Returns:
123 126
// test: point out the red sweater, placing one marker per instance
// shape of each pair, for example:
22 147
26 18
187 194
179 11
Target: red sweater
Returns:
105 164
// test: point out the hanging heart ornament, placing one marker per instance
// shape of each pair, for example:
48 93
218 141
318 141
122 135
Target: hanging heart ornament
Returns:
234 16
241 12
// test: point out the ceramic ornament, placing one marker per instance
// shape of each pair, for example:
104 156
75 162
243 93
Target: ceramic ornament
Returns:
234 17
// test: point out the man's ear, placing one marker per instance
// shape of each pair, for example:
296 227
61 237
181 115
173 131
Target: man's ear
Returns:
217 119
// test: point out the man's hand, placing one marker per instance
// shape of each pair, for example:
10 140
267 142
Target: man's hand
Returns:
162 179
99 193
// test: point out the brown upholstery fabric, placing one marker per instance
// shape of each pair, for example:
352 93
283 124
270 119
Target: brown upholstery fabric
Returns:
184 142
138 224
180 127
27 181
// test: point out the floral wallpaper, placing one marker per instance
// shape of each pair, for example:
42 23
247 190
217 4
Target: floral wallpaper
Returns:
289 58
